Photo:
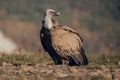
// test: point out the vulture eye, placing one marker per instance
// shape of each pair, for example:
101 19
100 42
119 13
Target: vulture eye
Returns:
52 12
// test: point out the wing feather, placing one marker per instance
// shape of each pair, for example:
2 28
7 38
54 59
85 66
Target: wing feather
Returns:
71 30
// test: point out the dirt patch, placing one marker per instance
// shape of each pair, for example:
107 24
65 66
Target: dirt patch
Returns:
56 72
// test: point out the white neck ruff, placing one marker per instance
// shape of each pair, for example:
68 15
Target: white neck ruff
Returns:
48 23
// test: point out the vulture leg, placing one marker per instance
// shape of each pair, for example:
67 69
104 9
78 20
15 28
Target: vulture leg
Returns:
65 62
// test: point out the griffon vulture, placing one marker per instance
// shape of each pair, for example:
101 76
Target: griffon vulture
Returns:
63 44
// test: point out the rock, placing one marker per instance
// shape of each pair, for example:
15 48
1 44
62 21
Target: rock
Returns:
73 70
117 74
26 68
6 64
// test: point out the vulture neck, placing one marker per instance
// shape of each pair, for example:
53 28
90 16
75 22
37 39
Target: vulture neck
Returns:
48 23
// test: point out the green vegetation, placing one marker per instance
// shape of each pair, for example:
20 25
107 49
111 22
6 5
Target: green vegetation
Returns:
95 60
26 58
110 59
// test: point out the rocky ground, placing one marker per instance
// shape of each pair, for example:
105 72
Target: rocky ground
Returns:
57 72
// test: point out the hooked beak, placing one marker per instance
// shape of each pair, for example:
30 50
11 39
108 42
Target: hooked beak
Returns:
57 14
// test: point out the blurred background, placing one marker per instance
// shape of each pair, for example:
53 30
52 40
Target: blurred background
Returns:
98 22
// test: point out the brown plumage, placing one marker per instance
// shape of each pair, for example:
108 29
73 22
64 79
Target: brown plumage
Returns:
62 43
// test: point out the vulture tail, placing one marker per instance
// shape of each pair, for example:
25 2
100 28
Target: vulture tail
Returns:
84 56
79 59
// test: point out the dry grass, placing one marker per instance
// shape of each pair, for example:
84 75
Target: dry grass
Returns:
110 58
26 58
95 59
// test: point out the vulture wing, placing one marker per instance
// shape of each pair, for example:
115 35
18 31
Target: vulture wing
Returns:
68 44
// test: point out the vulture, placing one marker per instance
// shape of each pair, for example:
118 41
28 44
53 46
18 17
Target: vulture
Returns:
63 44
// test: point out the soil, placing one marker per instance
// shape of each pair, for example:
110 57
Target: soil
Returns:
9 71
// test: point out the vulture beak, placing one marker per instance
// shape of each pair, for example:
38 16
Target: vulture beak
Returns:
56 14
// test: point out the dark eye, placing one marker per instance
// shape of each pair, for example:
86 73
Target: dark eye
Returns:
52 12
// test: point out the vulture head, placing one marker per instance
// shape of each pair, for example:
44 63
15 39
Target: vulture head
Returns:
48 18
51 13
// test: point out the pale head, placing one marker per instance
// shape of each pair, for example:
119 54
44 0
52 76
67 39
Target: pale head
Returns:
50 13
